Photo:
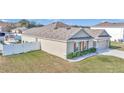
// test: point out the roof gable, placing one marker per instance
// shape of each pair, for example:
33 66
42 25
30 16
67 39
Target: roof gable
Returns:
104 34
108 24
56 25
81 34
97 33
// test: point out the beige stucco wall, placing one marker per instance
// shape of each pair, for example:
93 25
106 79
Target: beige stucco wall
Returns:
28 38
70 47
54 47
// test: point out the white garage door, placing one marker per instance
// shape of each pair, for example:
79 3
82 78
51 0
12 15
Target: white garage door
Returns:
102 44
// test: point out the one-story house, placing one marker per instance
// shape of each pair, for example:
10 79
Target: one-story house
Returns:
115 30
61 39
18 30
5 28
8 37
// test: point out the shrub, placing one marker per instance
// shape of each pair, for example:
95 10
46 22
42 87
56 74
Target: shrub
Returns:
82 53
78 54
74 54
93 49
70 56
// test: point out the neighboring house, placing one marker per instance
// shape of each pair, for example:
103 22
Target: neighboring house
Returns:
6 27
115 30
7 37
18 30
60 39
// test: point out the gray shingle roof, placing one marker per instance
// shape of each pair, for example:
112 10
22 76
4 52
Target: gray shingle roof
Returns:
108 24
57 31
60 31
96 32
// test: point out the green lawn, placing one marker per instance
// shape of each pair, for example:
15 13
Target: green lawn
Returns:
40 61
117 45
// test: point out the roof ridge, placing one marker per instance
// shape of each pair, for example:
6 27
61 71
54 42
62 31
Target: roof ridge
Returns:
58 24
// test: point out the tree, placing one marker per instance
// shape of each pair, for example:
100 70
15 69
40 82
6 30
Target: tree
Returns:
32 24
28 24
24 23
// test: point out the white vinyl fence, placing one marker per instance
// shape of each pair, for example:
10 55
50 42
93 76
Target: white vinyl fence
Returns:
20 48
1 48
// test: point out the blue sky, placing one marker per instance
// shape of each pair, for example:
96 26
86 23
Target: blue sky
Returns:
83 22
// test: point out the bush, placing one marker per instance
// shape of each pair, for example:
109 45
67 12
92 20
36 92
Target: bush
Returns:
93 49
74 54
82 53
70 56
78 54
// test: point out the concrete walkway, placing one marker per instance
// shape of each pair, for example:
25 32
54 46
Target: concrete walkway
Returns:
81 57
112 52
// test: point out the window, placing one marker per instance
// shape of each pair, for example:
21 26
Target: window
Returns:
87 44
75 46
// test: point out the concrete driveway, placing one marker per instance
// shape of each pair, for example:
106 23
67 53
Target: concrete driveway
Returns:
112 52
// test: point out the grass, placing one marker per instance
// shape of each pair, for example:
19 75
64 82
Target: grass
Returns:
39 61
101 64
117 45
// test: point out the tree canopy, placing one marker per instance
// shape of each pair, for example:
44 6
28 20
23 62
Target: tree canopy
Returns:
24 23
28 24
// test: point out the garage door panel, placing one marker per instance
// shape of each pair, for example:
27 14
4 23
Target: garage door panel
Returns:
102 44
